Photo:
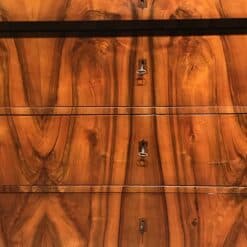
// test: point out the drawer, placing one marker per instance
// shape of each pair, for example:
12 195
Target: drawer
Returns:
123 71
26 10
123 219
188 149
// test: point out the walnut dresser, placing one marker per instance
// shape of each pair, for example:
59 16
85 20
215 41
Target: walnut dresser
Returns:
117 130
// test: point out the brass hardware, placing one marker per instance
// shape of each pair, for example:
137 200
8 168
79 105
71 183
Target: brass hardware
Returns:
142 4
142 70
143 149
142 225
142 152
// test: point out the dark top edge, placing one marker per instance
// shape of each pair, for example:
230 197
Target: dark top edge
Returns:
124 28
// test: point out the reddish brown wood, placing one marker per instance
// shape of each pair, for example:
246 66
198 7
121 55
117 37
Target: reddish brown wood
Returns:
181 71
73 112
103 150
112 219
120 9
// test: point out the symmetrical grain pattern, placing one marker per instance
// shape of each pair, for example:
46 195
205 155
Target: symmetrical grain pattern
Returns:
180 71
70 121
104 150
113 219
119 9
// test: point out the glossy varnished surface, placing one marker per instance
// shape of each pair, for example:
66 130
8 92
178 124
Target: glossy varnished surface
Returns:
72 114
181 71
103 150
123 189
120 9
112 219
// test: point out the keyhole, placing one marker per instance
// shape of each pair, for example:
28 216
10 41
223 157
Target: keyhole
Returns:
142 226
142 67
142 3
142 153
143 149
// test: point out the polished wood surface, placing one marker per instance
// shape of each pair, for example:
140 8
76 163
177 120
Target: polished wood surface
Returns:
120 9
121 110
123 189
181 71
112 219
94 154
103 150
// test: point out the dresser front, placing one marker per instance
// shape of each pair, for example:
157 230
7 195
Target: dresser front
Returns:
123 141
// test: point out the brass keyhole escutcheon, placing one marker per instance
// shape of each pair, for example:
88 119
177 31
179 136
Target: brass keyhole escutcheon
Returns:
142 226
141 72
142 4
142 152
142 68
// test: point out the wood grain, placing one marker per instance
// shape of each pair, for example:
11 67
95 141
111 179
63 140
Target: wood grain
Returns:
202 71
121 110
103 150
123 189
72 119
119 9
112 219
181 71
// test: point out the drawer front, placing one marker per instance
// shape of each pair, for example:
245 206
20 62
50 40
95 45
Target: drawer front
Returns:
123 71
26 10
127 219
123 149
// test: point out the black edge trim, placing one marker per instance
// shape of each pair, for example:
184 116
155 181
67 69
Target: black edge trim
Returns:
124 28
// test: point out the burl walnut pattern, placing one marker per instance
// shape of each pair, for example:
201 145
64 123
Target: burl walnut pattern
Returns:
123 141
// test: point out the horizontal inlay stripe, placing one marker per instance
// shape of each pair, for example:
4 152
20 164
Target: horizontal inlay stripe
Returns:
123 110
125 188
111 28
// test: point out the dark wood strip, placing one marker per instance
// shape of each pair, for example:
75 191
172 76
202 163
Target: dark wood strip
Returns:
124 28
